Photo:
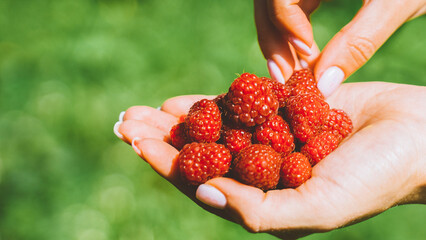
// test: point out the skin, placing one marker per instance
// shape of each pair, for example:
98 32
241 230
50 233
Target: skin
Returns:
380 165
279 20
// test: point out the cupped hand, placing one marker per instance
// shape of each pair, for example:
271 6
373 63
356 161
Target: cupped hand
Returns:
380 165
280 22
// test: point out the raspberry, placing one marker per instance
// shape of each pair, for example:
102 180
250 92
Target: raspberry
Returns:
259 166
178 136
302 82
203 121
338 122
250 101
276 133
219 100
199 162
181 118
318 147
281 91
295 170
306 114
236 139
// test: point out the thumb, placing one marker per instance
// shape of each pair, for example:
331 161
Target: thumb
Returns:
273 211
350 48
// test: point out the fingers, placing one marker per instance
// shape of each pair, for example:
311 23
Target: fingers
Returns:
284 32
358 41
131 129
287 16
273 44
161 156
151 116
309 62
180 105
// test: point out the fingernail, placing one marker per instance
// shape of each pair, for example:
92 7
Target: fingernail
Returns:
159 108
120 118
300 46
211 196
275 71
116 127
137 150
304 64
330 80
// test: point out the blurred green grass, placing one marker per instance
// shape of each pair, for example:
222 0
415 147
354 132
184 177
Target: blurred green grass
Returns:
69 67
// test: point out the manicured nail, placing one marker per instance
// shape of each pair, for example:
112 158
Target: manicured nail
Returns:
116 127
304 64
159 108
120 118
330 80
300 46
275 71
211 196
137 150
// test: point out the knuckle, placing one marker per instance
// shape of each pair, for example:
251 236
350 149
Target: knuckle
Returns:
361 49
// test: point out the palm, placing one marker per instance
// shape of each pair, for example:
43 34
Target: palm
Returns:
351 184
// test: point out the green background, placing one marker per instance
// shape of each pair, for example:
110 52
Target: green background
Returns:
69 67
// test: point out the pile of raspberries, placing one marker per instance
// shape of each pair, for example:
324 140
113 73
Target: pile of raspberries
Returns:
262 133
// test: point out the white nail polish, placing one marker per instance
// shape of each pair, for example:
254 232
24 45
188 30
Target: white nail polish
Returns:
117 133
120 118
211 196
137 150
275 71
304 64
300 46
330 80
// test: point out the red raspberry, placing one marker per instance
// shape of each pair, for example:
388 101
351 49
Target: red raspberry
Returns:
338 122
302 82
199 162
203 121
295 170
306 114
236 139
318 147
258 165
178 136
181 118
281 91
276 133
219 100
250 101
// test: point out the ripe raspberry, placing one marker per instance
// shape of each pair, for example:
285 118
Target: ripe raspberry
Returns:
181 118
236 139
259 166
318 147
250 101
178 136
203 121
219 100
338 122
281 91
276 133
199 162
306 114
302 82
295 170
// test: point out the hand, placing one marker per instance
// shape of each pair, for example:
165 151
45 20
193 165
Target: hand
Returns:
280 22
379 166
